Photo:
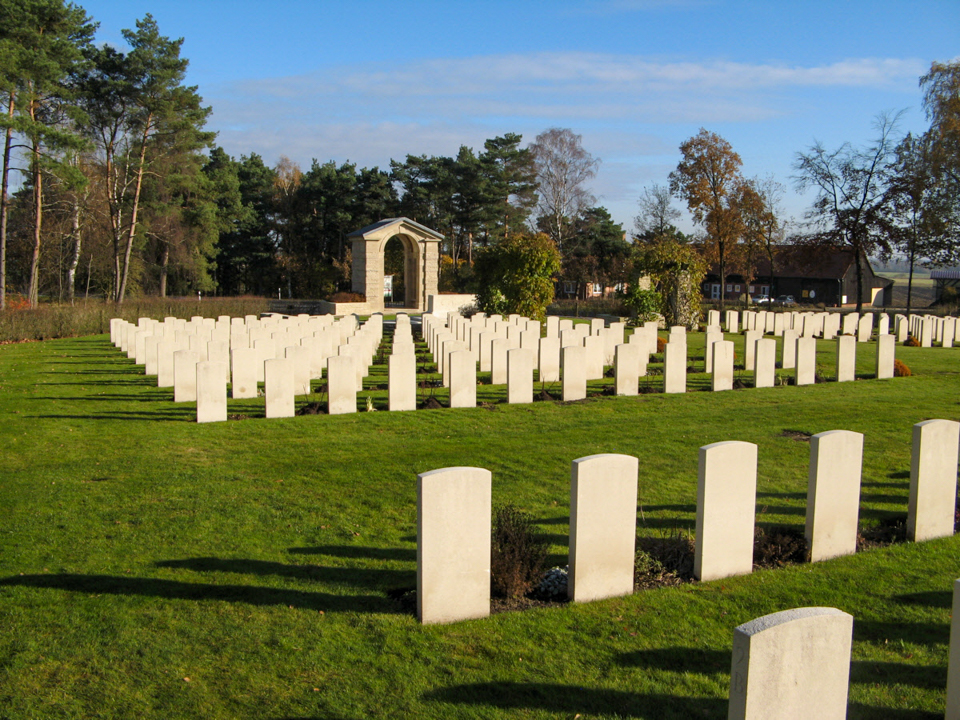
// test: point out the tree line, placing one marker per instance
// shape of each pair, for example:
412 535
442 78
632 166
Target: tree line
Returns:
121 189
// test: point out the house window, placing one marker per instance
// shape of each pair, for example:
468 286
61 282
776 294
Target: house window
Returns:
764 289
597 289
729 287
752 289
569 288
736 288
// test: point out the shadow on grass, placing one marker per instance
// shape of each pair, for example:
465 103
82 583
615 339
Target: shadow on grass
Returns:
570 700
187 414
679 659
927 633
869 672
785 496
884 499
858 711
932 598
356 552
779 510
370 578
176 590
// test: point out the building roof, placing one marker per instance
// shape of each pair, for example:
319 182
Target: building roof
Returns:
382 225
949 274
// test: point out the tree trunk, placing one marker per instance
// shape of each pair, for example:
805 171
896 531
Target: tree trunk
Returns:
134 210
913 255
4 206
34 290
75 258
164 269
856 255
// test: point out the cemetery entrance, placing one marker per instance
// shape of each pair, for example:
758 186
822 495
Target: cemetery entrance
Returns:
420 266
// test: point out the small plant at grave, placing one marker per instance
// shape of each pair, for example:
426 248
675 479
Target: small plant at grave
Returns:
900 369
661 346
517 554
779 546
881 533
554 583
663 560
911 341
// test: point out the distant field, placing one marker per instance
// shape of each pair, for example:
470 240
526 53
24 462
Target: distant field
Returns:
923 288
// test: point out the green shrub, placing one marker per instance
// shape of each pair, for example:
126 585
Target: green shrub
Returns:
517 554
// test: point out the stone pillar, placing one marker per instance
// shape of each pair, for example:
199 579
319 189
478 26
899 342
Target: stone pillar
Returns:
933 480
833 493
453 544
603 526
792 664
726 505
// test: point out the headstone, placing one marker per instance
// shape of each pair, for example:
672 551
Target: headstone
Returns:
185 375
722 365
709 338
788 356
850 323
883 324
865 328
933 480
953 662
675 367
792 664
165 351
243 378
806 372
519 376
341 385
886 348
498 361
726 505
750 338
211 392
846 358
278 389
402 381
151 347
949 333
626 368
603 526
574 372
549 359
453 544
553 326
765 372
833 493
463 379
300 359
733 321
593 345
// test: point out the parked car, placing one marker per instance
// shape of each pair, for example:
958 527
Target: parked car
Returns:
761 299
786 300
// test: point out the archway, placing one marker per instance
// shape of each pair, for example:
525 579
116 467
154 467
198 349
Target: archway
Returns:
421 261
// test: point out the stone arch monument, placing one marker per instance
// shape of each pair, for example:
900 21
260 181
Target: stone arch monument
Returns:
421 261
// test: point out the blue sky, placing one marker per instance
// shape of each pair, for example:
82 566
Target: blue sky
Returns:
367 81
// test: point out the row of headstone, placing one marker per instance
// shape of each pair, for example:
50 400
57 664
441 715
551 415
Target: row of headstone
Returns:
453 539
283 353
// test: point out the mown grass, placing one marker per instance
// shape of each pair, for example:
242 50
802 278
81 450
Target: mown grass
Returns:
153 567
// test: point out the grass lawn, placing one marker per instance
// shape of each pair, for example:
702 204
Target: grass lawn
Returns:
151 567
